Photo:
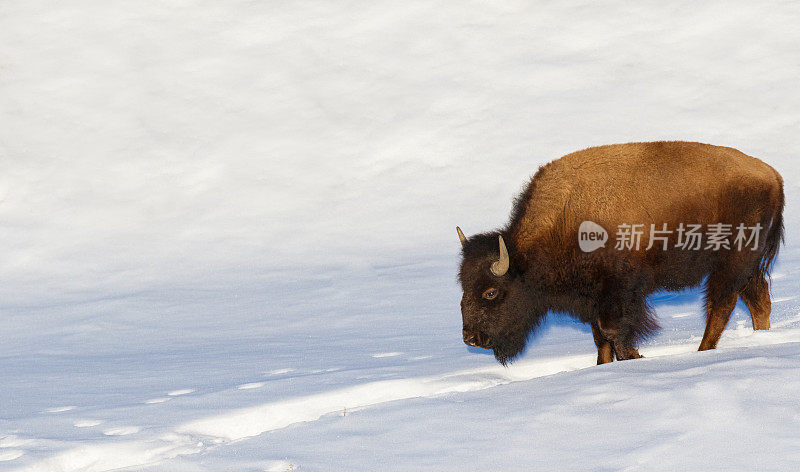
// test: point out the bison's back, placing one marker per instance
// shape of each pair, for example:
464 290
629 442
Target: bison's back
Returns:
661 181
645 183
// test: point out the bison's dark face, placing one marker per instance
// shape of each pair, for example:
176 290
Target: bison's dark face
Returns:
495 308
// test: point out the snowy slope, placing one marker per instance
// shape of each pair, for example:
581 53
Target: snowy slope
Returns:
226 224
686 412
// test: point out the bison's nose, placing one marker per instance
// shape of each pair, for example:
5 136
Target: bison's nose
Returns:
475 338
470 339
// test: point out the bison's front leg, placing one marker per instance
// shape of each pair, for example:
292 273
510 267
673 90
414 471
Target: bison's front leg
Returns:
627 352
620 338
605 352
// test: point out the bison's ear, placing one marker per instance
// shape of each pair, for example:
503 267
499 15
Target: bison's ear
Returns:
500 267
461 237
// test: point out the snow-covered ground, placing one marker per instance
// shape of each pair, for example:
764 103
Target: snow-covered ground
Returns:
227 233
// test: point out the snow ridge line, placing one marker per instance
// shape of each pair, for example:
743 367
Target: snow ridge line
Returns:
253 421
196 436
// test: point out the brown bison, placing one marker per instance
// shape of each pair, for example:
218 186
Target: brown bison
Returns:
683 213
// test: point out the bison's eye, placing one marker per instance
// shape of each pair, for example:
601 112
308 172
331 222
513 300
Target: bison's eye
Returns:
490 294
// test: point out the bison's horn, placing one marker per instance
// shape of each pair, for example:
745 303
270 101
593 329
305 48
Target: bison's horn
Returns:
500 267
461 236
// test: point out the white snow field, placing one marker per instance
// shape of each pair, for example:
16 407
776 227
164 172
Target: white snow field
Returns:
227 234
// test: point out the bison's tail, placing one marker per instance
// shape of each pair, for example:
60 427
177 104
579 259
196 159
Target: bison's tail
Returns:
774 237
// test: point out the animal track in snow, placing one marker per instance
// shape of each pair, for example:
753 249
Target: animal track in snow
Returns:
59 409
280 371
87 423
7 443
249 386
387 354
13 441
153 401
122 431
10 454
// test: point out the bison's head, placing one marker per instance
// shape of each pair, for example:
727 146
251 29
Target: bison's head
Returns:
496 309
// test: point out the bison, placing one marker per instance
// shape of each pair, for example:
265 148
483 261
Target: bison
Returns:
659 192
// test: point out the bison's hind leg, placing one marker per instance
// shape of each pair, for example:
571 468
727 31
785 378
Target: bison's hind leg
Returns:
756 296
721 294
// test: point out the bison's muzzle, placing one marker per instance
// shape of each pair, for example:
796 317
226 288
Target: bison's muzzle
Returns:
476 339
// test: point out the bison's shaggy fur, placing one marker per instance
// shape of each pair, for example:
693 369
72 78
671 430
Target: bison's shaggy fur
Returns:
636 183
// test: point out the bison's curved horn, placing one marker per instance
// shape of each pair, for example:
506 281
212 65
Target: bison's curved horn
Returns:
500 267
461 236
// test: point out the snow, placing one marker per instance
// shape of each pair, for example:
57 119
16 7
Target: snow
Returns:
228 234
684 412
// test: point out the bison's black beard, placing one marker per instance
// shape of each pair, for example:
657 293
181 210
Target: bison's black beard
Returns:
507 348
